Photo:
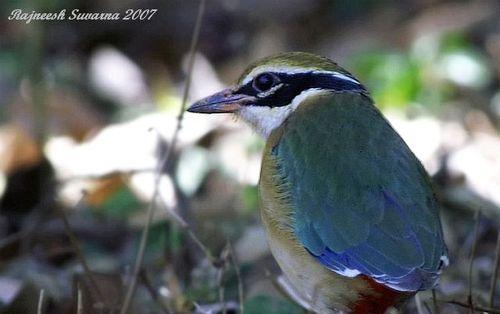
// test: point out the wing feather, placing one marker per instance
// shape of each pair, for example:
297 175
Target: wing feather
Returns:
362 202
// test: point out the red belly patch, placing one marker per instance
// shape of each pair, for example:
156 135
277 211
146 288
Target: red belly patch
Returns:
379 299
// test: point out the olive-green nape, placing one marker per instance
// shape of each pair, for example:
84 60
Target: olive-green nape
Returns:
294 60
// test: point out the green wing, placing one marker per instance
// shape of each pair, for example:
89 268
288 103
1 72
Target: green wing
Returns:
362 203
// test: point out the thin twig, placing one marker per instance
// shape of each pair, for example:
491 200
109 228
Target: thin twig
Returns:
38 85
477 308
79 297
220 283
493 284
78 250
471 258
163 162
192 51
427 307
203 247
418 302
144 237
186 227
40 302
224 256
236 266
152 291
173 213
175 295
434 302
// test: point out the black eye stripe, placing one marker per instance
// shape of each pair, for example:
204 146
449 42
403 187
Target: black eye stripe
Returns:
265 81
294 83
247 89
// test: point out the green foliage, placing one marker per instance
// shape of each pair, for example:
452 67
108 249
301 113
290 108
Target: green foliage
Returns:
175 238
121 204
10 63
393 78
428 74
161 237
203 287
250 199
255 146
265 304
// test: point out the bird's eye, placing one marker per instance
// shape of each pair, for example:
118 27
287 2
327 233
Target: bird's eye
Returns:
263 82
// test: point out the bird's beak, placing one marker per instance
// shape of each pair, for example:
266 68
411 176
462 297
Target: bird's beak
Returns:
221 102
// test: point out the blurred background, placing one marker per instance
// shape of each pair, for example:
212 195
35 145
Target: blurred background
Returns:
88 107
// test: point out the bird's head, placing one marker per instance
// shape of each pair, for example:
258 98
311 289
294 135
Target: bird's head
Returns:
269 90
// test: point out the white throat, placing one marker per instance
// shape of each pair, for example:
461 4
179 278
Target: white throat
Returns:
265 119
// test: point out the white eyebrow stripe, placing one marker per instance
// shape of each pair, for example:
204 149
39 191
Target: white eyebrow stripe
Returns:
345 77
336 74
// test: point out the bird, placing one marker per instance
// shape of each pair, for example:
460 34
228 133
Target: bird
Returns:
350 213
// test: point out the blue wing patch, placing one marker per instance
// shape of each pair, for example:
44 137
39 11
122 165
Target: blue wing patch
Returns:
361 201
366 259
